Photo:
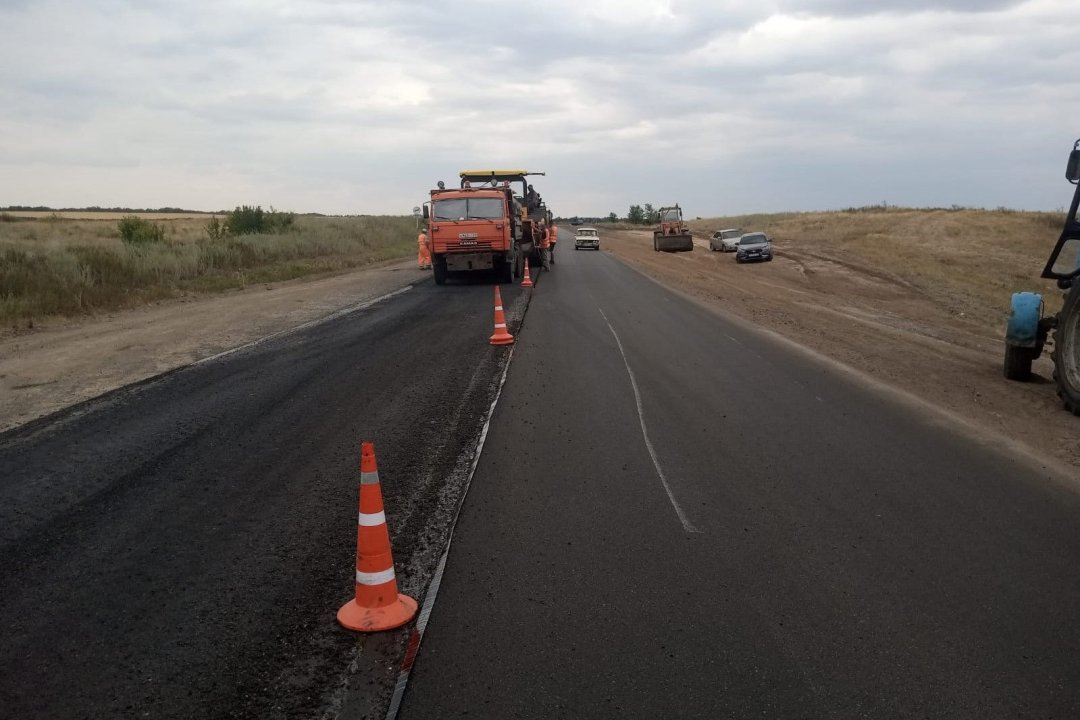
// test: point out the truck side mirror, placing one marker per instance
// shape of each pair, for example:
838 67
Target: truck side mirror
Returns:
425 212
1072 170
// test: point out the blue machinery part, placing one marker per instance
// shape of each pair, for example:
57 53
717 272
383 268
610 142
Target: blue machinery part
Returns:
1022 329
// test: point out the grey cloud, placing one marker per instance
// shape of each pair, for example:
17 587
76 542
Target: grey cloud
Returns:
314 98
861 7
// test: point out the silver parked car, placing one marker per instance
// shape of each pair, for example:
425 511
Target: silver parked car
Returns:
725 240
753 247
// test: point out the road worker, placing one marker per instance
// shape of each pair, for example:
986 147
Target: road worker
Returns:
423 251
554 233
545 245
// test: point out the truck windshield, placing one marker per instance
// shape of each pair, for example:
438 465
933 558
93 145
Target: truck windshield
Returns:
469 209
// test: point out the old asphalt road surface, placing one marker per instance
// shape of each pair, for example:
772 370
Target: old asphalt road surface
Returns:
784 543
180 549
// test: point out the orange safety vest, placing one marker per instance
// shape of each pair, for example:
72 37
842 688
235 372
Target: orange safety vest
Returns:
545 238
554 234
423 252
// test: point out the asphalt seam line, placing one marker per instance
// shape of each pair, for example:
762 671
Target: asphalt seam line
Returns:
413 647
304 326
687 525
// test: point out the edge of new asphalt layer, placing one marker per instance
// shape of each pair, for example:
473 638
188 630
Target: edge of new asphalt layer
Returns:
402 647
71 412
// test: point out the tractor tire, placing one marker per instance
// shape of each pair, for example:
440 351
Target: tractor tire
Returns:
1066 353
656 242
438 270
1018 362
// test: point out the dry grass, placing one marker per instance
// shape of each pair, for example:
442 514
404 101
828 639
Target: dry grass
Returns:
969 261
98 215
56 266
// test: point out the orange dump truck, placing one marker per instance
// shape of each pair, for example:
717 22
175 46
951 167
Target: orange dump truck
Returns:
490 223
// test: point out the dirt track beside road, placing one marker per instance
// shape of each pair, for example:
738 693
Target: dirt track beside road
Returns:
876 323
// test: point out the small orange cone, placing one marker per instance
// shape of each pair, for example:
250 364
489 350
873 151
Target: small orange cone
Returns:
377 605
500 336
527 282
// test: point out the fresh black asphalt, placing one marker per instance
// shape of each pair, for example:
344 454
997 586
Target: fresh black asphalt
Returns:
180 549
847 557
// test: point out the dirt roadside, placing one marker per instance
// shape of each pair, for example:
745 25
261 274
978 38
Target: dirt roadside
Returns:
65 362
875 323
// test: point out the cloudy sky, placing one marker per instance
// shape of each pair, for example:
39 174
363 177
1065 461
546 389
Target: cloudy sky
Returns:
726 106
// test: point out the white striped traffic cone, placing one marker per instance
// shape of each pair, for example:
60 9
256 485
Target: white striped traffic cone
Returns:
377 605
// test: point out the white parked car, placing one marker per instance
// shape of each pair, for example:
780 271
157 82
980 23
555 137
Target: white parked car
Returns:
586 237
725 240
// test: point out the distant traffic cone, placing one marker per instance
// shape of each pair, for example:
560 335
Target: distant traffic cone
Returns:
527 282
500 336
377 605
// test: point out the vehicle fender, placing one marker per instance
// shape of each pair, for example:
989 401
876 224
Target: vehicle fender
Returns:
1022 328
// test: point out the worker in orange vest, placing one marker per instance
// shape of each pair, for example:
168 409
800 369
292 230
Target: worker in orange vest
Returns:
554 233
423 252
545 245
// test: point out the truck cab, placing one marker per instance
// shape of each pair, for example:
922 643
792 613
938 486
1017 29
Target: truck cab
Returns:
488 223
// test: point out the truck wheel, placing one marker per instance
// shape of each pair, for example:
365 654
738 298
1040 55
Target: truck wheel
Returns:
1018 362
506 271
438 269
656 242
1067 351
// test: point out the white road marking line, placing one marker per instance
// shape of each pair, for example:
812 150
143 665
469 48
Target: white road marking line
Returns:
733 340
687 525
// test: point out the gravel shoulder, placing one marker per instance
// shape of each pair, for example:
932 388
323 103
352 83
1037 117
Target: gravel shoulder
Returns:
876 323
66 362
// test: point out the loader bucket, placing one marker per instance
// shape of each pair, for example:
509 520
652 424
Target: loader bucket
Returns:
674 243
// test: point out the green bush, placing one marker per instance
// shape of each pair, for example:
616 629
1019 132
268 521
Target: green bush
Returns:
245 220
248 220
135 230
215 229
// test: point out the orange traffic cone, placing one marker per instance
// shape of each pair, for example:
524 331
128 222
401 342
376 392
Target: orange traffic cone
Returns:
527 282
377 605
500 336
